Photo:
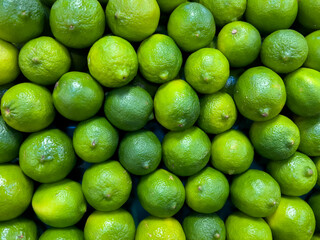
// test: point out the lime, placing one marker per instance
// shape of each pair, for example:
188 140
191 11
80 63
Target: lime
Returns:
303 88
218 113
77 23
308 14
176 105
161 193
293 219
21 20
153 228
128 108
9 67
232 152
133 20
314 202
140 152
106 186
116 225
255 193
47 156
284 50
207 70
60 204
207 191
150 87
95 140
18 228
44 60
186 152
317 163
112 61
198 226
275 139
240 42
169 5
192 26
313 59
159 58
70 233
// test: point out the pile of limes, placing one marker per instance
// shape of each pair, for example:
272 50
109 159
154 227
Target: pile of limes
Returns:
160 120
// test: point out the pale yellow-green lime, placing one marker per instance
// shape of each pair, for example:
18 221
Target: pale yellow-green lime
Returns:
70 233
9 67
169 5
18 228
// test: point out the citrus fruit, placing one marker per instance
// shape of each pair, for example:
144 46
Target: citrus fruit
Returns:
106 186
112 61
293 219
231 152
133 20
128 108
176 105
161 193
243 227
198 226
70 233
207 70
150 87
169 5
59 204
18 228
275 139
77 23
240 42
21 20
207 191
16 191
186 152
313 59
308 14
284 50
95 140
255 193
302 88
140 152
8 62
192 26
44 60
314 202
153 228
159 58
116 225
317 163
47 156
218 113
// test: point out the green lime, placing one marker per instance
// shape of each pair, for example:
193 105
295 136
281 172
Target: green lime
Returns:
207 70
198 226
192 26
140 152
255 193
232 152
176 105
77 96
21 20
128 108
218 113
18 228
77 23
168 6
150 87
153 228
161 193
243 227
313 59
27 107
10 141
275 139
303 88
70 233
159 58
269 16
186 152
9 67
308 14
293 219
314 202
116 225
95 140
44 60
112 61
133 20
284 50
207 191
317 163
106 186
240 42
260 94
47 156
59 204
296 175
